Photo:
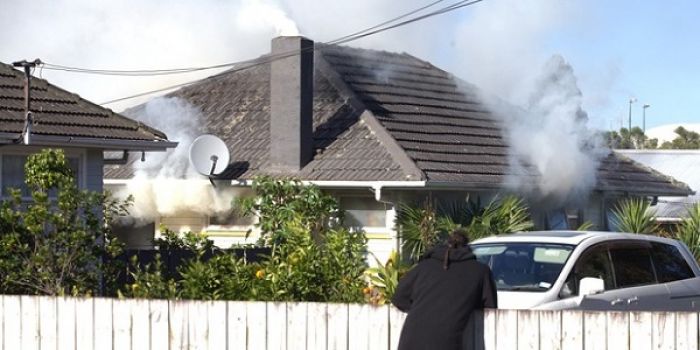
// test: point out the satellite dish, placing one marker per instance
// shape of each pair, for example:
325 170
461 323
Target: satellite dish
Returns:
209 155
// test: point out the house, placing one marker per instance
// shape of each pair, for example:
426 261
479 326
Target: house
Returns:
373 128
62 119
682 165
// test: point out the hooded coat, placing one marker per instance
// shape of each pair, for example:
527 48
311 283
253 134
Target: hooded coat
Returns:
440 301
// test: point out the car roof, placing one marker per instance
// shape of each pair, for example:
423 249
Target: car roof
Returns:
568 237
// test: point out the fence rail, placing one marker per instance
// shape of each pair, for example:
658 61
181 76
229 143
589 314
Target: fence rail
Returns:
30 322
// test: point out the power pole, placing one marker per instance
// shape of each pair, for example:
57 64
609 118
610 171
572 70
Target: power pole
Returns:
28 120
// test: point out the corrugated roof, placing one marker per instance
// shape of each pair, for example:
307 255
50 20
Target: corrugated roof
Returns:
383 116
57 112
682 165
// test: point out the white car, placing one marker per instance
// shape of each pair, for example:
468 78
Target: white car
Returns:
554 270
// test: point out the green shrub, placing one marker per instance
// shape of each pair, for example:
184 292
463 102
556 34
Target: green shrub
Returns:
634 215
688 231
384 278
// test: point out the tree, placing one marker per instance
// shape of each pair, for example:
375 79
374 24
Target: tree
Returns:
685 139
56 244
626 139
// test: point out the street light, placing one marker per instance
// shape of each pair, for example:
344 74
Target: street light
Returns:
629 121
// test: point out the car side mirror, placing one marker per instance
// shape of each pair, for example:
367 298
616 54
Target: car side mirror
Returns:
590 285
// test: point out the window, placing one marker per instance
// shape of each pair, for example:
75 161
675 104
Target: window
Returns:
633 266
13 172
669 263
594 263
363 212
523 266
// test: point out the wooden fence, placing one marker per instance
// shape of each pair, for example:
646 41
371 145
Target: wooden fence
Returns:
95 323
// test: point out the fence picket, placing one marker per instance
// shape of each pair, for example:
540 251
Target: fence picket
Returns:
594 337
29 322
550 330
618 328
197 325
217 325
12 311
140 324
338 317
158 318
103 324
572 330
664 331
121 321
528 330
396 320
236 323
276 326
84 324
490 329
257 325
378 327
686 331
358 326
177 324
296 326
640 327
506 324
47 323
66 323
317 326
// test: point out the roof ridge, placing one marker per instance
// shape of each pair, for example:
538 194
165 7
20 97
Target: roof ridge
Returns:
397 153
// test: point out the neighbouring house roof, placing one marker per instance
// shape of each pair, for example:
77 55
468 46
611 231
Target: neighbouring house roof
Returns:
64 118
682 165
380 116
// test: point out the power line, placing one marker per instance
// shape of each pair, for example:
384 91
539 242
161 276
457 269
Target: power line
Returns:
270 58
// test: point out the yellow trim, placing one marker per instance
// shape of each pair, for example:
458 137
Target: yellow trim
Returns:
225 233
377 236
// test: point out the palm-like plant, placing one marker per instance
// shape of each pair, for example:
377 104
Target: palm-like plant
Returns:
634 215
502 215
688 231
421 227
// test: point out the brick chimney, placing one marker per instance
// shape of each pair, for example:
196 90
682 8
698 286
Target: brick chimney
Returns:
291 104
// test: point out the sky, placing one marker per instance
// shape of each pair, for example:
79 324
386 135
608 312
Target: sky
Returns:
618 49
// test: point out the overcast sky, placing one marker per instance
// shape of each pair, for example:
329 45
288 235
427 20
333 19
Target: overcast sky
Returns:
619 49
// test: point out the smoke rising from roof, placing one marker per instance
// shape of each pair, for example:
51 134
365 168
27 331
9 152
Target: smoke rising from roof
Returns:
550 139
159 186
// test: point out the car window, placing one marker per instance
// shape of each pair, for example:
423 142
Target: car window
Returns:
595 263
632 265
669 263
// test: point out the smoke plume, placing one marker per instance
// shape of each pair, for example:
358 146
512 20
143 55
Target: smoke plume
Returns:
163 184
550 139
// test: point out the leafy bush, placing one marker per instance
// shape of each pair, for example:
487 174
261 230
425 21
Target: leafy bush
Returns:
384 278
57 244
634 215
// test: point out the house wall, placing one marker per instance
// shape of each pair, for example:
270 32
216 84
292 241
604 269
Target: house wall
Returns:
90 163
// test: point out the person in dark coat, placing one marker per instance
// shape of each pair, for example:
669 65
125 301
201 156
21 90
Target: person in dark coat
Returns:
440 293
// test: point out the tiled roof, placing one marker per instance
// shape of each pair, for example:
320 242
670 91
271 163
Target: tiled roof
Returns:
382 116
57 112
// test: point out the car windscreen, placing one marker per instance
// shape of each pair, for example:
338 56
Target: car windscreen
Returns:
531 267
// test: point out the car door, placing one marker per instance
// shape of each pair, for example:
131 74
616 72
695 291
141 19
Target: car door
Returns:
673 270
636 281
594 262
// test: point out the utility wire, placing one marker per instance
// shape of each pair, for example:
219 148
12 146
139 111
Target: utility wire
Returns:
270 58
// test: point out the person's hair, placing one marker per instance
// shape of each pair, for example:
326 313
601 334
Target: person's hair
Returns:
458 238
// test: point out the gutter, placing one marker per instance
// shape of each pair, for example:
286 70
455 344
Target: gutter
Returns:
89 142
374 186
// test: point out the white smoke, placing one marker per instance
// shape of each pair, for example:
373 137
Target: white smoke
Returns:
165 183
551 136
